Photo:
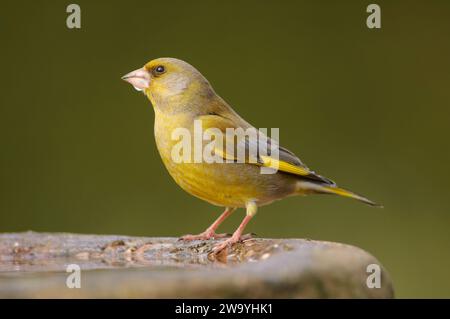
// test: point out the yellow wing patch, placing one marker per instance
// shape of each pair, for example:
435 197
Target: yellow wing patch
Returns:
215 121
268 161
284 166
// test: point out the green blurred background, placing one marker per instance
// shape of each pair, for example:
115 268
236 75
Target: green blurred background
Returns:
367 108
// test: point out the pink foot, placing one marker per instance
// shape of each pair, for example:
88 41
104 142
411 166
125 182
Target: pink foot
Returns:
231 241
204 236
225 244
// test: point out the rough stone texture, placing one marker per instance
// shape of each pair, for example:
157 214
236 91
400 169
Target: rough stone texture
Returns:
33 265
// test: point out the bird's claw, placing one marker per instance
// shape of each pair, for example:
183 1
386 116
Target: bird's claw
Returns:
248 236
225 244
231 241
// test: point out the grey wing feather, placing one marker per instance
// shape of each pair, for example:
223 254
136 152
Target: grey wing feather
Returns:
283 153
287 156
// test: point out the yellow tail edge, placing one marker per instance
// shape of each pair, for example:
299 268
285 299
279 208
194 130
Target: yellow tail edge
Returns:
345 193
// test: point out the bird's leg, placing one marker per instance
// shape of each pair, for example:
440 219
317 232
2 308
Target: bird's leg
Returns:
210 232
237 235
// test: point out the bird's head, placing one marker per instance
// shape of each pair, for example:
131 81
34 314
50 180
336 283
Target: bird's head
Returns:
166 80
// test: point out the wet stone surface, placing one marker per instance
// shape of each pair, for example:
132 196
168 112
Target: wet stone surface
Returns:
34 265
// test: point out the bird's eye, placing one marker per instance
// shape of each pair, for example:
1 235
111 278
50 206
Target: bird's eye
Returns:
159 70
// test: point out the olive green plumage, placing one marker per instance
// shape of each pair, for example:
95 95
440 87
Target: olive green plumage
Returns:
181 95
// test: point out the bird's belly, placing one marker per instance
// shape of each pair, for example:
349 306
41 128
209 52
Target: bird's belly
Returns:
230 184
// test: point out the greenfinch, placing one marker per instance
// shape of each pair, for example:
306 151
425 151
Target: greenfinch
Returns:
180 96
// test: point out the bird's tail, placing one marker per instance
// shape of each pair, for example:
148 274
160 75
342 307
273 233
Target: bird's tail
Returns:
306 187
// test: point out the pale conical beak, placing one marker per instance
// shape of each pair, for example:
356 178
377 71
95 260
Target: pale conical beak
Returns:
139 78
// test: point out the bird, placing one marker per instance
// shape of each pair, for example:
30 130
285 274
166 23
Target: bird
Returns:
181 96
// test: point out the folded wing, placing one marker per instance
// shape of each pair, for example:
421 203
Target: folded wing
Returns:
282 159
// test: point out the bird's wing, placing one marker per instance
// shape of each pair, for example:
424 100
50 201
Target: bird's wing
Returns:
286 161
